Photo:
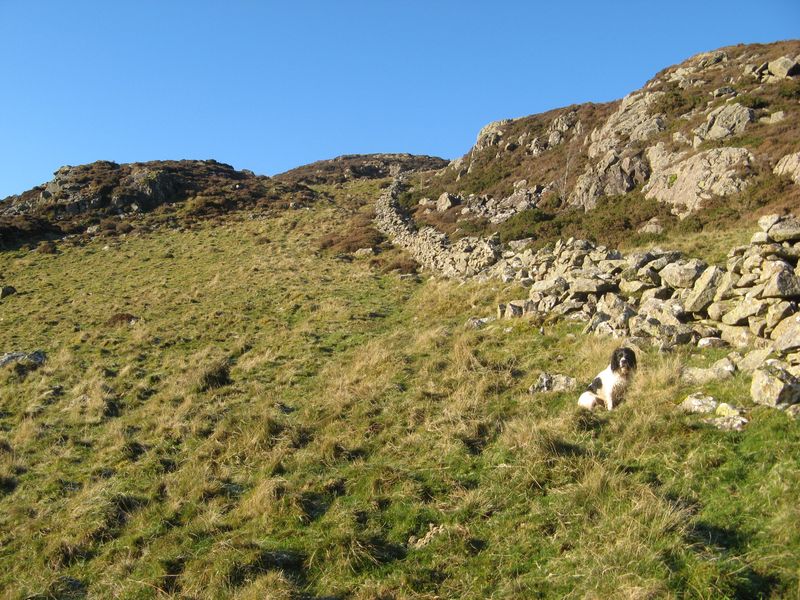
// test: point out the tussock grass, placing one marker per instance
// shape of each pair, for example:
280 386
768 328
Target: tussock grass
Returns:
282 424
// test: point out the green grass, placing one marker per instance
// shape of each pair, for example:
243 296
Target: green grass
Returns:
281 423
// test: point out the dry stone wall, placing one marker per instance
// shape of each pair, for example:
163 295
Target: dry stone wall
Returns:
432 249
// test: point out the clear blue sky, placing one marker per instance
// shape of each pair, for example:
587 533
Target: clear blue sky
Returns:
271 85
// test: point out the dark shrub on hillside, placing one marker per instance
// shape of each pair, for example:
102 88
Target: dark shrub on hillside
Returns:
402 264
522 224
357 233
121 319
47 247
754 102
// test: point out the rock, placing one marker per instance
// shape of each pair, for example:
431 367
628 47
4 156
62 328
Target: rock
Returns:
447 201
773 384
727 120
687 182
682 275
364 252
552 285
781 282
725 285
555 382
720 370
789 166
776 117
7 290
611 176
747 307
759 237
754 359
653 226
698 403
33 359
590 285
731 423
704 290
783 67
634 120
793 411
478 322
768 221
738 337
786 334
515 309
711 342
785 230
717 309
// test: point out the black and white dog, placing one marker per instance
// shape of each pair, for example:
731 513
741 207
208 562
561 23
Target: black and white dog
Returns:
610 384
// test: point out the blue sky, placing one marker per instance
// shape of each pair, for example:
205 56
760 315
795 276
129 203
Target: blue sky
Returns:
271 85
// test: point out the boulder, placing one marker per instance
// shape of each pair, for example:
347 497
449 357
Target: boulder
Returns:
768 221
786 334
28 359
720 370
726 284
555 382
590 285
780 280
754 359
785 230
789 166
731 423
783 67
7 290
724 121
653 226
447 201
698 403
772 385
704 290
682 275
738 337
746 307
711 342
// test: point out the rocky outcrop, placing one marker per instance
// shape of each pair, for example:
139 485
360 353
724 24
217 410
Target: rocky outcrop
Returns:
724 121
611 176
431 248
107 188
633 121
687 182
350 167
778 69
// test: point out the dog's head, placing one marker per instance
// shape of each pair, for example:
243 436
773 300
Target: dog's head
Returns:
623 361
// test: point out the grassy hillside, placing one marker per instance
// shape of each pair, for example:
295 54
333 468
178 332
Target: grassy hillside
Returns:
282 421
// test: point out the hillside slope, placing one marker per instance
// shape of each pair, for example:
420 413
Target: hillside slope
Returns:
239 387
228 412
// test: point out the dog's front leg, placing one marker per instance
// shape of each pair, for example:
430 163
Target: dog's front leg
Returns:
610 400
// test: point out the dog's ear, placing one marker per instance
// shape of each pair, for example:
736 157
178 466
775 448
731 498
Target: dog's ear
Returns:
631 358
615 357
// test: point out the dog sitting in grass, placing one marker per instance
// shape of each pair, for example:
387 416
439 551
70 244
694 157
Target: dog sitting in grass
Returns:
610 384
